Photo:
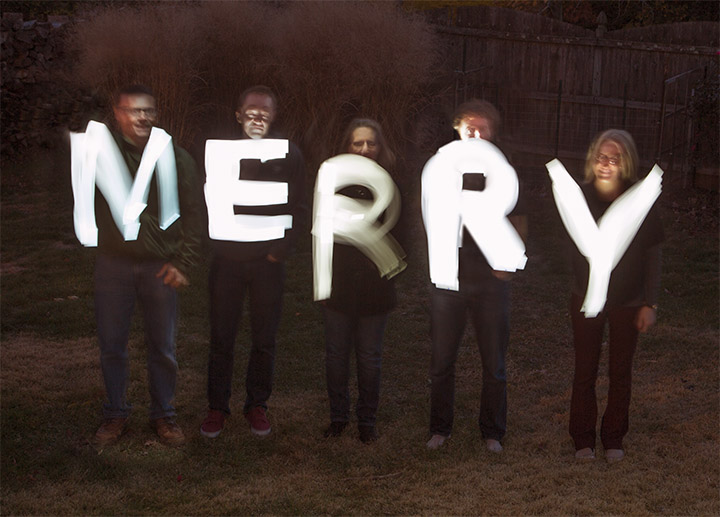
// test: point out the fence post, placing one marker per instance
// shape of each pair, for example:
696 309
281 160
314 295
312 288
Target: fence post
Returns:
661 124
557 122
597 73
624 114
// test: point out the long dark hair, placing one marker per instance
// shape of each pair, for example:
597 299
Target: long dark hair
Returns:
386 158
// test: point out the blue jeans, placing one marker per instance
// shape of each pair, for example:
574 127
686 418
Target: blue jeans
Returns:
118 283
230 280
488 305
365 334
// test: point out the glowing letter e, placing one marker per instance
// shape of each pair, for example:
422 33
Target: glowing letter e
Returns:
447 208
96 160
224 190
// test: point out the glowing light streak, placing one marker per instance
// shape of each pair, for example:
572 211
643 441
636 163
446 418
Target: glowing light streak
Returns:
223 191
603 243
96 160
447 209
340 219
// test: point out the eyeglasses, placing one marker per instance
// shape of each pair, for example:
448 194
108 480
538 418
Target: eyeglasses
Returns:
607 160
136 112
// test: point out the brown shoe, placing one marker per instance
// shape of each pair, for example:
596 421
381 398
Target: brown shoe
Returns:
110 431
168 431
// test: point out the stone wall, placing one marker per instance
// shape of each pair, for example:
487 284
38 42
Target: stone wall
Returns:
38 101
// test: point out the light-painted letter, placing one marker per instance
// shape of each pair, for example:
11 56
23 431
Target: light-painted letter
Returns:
447 209
603 243
340 219
96 160
223 191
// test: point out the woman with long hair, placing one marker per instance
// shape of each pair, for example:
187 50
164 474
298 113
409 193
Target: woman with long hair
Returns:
356 313
630 307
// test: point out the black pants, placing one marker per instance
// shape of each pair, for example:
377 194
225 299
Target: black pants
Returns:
230 280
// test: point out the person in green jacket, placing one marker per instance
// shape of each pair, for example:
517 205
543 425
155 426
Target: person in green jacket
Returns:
148 269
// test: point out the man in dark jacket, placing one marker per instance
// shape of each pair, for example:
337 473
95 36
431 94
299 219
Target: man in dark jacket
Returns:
148 264
250 245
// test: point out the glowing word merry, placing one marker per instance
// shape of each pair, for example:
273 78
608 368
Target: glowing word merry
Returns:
96 160
447 209
603 243
341 219
224 191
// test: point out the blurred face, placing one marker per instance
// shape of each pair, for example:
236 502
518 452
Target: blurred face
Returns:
364 142
256 115
136 115
608 164
473 126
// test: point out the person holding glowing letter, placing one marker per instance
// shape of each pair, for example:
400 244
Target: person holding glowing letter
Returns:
355 260
475 228
254 194
613 222
147 226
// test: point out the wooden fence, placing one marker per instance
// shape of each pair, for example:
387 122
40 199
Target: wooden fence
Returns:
556 92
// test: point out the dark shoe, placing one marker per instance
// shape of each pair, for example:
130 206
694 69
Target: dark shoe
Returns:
259 424
110 431
168 431
213 424
368 434
335 429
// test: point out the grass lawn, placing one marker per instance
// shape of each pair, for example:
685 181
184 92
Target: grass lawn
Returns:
52 391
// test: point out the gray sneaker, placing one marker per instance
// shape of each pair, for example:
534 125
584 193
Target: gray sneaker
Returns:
436 441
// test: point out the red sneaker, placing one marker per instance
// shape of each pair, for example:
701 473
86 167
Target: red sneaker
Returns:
259 424
213 424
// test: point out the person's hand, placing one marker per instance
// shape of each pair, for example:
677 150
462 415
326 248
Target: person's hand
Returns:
645 318
272 259
172 276
505 276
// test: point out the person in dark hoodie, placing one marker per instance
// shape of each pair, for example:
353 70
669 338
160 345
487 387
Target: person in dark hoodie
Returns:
254 269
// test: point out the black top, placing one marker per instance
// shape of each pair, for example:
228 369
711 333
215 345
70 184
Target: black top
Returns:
635 280
357 287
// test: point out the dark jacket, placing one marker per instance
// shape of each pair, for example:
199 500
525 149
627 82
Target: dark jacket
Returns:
179 244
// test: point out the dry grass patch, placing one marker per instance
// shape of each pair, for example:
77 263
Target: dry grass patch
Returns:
52 392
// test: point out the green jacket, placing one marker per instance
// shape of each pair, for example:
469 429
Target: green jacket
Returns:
181 243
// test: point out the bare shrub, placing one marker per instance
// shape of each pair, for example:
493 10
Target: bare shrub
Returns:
328 62
351 59
155 45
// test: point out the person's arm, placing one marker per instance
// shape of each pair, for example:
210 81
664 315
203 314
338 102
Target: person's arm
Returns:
192 217
647 314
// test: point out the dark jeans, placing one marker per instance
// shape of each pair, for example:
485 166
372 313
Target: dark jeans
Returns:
488 305
119 282
588 334
230 280
365 334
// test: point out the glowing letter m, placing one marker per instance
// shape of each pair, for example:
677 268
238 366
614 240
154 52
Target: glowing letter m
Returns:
96 160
